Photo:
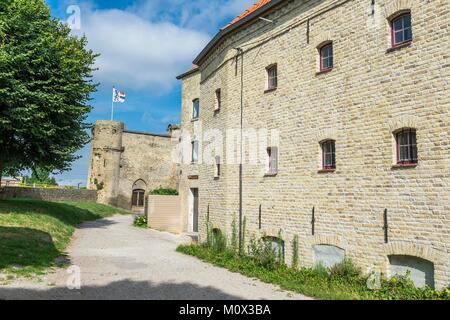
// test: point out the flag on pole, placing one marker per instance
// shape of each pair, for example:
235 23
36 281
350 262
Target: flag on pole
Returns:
118 96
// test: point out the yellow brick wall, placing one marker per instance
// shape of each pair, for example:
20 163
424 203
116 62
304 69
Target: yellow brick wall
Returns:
370 93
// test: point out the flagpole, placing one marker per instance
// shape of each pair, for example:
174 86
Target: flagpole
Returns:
112 106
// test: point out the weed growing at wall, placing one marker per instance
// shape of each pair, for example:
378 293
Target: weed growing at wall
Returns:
234 235
343 281
295 261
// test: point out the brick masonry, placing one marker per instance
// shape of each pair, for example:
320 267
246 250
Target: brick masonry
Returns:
371 92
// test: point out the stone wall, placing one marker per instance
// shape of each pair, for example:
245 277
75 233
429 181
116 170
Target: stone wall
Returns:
122 160
50 194
371 92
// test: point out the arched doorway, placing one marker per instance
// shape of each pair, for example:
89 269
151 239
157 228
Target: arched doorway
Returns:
138 196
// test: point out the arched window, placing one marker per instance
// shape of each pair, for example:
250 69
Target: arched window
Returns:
401 29
138 198
421 271
328 155
138 195
406 142
276 245
326 57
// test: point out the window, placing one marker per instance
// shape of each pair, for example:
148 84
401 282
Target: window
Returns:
328 155
272 161
326 57
195 109
401 29
217 168
218 103
194 151
138 198
406 146
272 77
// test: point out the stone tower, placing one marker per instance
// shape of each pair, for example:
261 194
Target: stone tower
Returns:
105 155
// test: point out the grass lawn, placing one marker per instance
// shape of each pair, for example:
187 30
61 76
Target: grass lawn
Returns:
340 284
34 233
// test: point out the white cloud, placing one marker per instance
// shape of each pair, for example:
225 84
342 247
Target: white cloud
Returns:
136 53
199 14
146 45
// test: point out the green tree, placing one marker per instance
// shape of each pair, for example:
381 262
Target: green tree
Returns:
41 176
45 87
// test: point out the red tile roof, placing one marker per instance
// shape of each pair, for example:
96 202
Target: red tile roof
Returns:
255 7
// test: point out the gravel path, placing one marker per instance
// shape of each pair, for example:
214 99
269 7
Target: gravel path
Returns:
118 261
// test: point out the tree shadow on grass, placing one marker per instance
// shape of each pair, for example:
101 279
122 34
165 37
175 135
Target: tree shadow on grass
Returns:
122 290
25 251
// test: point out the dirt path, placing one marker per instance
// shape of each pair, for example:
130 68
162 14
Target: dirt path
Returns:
118 261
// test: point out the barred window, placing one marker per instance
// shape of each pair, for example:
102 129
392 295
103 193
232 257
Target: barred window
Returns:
329 155
406 146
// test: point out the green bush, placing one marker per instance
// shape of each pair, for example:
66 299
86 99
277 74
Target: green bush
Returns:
263 253
345 270
164 192
140 221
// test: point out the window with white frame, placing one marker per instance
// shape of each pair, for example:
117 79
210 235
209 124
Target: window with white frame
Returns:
272 161
195 109
272 77
194 151
401 29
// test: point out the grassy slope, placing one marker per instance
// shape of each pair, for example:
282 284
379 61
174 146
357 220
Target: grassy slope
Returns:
34 233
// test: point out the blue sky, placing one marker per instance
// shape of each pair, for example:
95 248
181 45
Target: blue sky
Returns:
144 45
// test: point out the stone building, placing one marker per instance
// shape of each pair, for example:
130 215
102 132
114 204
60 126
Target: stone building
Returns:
343 107
125 165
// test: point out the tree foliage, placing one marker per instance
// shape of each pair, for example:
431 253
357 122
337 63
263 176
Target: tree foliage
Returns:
41 176
45 87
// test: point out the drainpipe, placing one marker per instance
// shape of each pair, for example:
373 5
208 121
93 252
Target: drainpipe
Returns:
241 235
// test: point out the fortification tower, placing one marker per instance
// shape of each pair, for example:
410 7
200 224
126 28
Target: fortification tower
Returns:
105 155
